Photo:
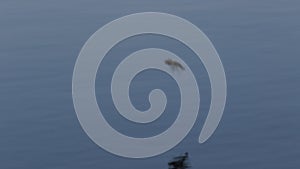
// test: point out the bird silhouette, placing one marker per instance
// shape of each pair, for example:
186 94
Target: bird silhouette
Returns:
174 64
180 162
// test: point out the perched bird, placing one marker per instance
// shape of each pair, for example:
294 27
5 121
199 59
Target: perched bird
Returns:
174 64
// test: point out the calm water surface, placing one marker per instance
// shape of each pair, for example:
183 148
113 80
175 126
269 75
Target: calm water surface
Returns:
258 42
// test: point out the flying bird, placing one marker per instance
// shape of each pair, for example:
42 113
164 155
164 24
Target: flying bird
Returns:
180 162
174 64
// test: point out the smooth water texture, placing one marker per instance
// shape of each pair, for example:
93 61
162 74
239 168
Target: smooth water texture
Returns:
258 42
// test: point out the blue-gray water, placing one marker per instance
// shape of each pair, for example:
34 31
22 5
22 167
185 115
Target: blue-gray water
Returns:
258 42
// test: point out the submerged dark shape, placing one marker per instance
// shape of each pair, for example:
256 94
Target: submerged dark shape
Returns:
180 162
174 64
